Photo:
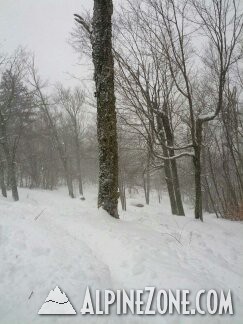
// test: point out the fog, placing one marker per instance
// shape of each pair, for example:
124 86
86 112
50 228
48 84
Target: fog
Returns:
43 27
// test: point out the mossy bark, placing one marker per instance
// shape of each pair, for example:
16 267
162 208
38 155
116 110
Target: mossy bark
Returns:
106 113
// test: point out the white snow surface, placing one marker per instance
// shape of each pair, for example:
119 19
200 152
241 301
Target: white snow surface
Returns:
48 239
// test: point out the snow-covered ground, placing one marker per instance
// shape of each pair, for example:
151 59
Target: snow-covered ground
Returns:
49 240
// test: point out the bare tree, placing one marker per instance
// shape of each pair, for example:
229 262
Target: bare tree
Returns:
146 87
44 104
15 111
222 28
72 103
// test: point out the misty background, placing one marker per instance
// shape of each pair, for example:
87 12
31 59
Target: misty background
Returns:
42 25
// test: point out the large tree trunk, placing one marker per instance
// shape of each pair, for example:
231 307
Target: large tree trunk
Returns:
106 113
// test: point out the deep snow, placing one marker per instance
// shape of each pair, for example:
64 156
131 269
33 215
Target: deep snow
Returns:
49 240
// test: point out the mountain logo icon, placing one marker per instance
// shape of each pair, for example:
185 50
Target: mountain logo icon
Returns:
57 303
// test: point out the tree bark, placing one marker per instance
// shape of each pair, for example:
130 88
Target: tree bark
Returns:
106 113
167 168
197 166
78 161
10 163
173 165
146 186
12 179
2 180
68 177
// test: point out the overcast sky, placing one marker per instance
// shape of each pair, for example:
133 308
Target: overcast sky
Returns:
43 26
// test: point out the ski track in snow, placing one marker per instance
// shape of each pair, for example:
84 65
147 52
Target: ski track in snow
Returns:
73 245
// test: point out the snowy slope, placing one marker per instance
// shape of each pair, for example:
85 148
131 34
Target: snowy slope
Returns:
49 240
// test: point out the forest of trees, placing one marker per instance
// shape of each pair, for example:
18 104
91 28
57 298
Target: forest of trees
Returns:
168 91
